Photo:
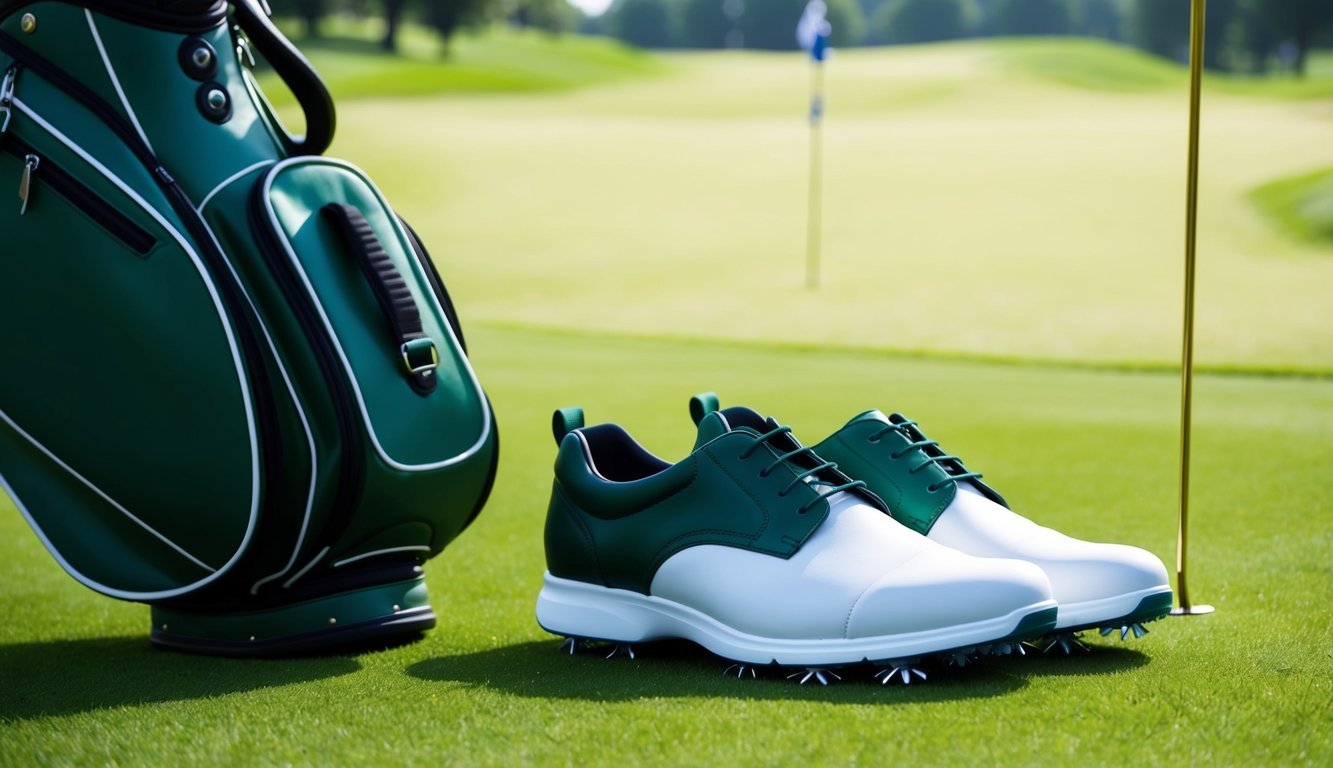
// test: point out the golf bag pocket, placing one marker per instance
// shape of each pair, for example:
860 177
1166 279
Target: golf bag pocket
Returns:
120 353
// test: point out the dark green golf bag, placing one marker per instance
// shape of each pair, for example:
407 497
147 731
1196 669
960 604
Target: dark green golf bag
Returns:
233 386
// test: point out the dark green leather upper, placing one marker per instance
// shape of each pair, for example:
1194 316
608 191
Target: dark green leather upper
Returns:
916 488
617 534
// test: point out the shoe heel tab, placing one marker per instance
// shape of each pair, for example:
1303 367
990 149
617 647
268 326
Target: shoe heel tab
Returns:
703 404
564 421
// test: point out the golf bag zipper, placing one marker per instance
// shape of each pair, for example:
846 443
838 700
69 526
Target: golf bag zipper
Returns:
229 289
351 471
38 168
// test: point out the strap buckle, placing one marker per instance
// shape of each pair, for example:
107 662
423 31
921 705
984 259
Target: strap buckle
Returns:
420 356
7 96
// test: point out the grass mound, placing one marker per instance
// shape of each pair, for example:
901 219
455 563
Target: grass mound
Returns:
1301 206
351 62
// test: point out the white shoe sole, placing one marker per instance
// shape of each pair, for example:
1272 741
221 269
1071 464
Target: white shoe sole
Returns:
579 609
1108 611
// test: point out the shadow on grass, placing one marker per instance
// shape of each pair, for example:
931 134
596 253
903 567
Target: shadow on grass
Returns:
71 676
669 669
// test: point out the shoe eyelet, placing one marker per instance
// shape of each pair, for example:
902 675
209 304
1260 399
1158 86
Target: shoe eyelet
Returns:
873 439
896 455
932 488
764 473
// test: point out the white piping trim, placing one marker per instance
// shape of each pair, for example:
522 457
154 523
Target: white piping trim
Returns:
306 569
227 182
115 81
333 336
378 552
119 507
236 359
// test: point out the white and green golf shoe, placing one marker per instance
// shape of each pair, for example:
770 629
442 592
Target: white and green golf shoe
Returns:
763 553
1109 587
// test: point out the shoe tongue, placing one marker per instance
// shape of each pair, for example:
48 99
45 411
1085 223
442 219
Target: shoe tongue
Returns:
718 423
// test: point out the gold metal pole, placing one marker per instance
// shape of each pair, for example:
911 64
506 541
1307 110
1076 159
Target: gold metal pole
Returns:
813 224
1187 353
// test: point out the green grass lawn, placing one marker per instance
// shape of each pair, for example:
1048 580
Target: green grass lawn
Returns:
1090 452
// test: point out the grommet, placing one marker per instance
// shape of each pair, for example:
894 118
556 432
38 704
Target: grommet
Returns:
333 621
213 102
28 24
164 627
197 58
396 609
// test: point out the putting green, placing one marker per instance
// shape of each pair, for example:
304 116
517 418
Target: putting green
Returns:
972 206
1090 452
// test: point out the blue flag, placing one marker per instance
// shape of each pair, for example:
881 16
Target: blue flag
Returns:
812 31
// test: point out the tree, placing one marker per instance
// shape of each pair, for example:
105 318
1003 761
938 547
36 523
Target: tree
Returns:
310 12
705 24
1033 17
922 21
446 17
1298 23
771 24
645 23
393 14
1105 18
1162 27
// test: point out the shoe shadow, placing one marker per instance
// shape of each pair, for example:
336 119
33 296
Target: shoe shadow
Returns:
1094 660
72 676
682 669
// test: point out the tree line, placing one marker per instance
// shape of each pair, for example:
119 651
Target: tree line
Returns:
1253 36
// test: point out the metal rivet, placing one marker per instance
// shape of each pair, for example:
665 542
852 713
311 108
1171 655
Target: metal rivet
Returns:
202 57
164 627
396 609
252 638
217 99
333 621
28 24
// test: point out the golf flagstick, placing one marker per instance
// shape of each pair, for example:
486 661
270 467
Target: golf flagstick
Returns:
1185 608
812 32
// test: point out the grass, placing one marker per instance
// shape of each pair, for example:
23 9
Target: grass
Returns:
1301 205
1090 452
970 209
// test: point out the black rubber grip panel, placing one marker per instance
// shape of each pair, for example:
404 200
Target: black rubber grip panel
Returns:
387 283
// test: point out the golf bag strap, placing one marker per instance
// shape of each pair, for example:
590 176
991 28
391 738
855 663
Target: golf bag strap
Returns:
296 72
419 355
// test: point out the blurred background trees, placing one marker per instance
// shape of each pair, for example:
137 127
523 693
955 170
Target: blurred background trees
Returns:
1253 36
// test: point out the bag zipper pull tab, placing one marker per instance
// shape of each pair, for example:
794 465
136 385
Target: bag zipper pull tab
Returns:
30 163
243 51
7 96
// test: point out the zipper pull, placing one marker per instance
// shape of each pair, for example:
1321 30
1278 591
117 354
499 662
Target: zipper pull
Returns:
7 96
243 51
30 163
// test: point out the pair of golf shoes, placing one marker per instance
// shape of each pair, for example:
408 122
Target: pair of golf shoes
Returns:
873 546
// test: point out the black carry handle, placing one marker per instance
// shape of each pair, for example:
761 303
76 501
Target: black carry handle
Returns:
297 73
419 355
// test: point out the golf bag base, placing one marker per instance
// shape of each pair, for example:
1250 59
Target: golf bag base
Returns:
374 616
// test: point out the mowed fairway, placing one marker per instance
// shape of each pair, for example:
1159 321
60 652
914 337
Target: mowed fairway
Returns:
626 245
973 205
1087 451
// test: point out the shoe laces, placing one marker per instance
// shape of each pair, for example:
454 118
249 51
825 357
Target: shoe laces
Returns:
951 465
801 474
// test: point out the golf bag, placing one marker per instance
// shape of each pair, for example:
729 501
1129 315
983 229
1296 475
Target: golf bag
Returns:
233 387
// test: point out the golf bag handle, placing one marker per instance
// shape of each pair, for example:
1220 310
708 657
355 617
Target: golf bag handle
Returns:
297 73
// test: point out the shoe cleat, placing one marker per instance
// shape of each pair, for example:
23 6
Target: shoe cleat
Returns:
820 675
621 649
1064 642
740 670
902 671
573 645
762 552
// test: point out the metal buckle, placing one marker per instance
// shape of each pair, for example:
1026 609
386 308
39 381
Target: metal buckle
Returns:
420 356
7 96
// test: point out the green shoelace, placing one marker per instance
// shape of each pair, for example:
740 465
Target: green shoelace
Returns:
952 465
801 475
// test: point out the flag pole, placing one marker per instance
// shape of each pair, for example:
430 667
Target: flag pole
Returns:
1186 608
813 223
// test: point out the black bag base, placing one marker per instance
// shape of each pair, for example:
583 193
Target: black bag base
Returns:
375 617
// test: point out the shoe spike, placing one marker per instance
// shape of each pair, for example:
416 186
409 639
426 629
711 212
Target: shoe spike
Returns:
573 645
1137 628
1066 642
820 675
741 669
1007 649
900 670
621 649
962 657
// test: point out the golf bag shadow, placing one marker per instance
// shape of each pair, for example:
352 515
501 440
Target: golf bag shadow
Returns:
234 385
